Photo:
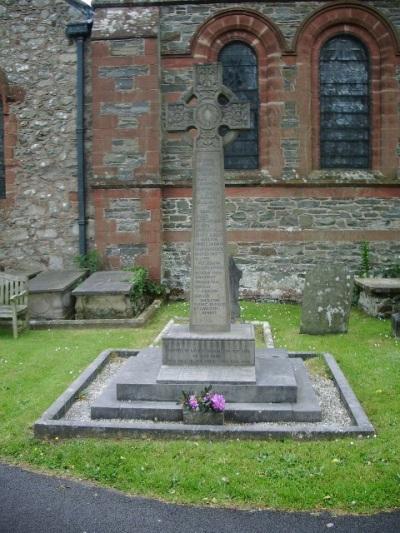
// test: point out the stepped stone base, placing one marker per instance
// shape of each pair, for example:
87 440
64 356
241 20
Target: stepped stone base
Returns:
282 392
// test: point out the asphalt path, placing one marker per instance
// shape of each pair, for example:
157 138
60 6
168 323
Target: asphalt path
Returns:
37 503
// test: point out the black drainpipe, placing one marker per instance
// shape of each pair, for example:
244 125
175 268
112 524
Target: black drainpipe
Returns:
79 32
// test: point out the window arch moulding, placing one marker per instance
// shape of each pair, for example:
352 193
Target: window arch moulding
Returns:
377 35
268 43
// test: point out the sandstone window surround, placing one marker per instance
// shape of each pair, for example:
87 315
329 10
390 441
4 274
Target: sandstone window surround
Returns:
266 40
378 37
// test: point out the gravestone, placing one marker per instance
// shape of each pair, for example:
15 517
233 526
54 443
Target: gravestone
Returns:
327 300
396 325
235 275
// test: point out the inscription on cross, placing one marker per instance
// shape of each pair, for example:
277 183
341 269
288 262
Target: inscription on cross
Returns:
209 292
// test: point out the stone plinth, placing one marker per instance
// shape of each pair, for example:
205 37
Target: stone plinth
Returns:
201 357
105 294
379 297
275 381
183 347
50 294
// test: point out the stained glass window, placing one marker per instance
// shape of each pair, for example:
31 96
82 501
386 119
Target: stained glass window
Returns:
241 76
344 104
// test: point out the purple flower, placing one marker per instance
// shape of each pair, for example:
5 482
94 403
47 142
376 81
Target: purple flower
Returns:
217 402
192 402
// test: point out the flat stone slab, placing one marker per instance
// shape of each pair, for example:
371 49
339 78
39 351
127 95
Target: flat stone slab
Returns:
105 282
182 347
105 294
137 380
379 285
28 274
50 294
55 281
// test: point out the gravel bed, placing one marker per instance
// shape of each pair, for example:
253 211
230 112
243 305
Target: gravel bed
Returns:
80 409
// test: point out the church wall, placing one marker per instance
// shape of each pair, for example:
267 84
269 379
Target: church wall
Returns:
38 225
276 234
288 214
282 218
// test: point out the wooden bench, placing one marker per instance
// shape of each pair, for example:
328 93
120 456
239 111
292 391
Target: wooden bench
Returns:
13 299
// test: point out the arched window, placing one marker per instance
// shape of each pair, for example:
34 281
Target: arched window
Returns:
344 104
2 155
241 76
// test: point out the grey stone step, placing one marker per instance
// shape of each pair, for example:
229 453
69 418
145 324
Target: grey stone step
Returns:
305 409
137 381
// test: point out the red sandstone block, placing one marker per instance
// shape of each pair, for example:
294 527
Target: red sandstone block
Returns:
147 82
151 46
175 62
99 48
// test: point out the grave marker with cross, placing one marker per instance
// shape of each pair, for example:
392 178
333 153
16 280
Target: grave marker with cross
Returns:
209 292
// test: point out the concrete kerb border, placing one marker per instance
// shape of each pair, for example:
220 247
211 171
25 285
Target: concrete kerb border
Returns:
100 322
50 424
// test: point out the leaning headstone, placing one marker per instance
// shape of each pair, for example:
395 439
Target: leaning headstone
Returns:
326 300
396 325
235 275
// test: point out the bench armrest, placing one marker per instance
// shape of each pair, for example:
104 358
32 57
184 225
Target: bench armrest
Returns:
16 297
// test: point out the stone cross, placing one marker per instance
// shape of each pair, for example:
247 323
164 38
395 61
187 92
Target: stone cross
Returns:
216 106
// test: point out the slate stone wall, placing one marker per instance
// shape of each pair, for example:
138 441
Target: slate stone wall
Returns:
38 217
276 270
294 214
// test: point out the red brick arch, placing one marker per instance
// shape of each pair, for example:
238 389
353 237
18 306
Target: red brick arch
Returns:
377 34
268 43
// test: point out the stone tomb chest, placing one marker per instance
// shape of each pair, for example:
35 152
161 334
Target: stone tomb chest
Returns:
105 294
379 297
50 294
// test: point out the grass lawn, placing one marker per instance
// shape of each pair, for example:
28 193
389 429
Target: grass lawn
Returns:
360 475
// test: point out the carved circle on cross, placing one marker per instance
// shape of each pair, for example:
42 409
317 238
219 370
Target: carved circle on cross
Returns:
208 116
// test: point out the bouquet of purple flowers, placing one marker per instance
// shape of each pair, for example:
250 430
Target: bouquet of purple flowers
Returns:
207 400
